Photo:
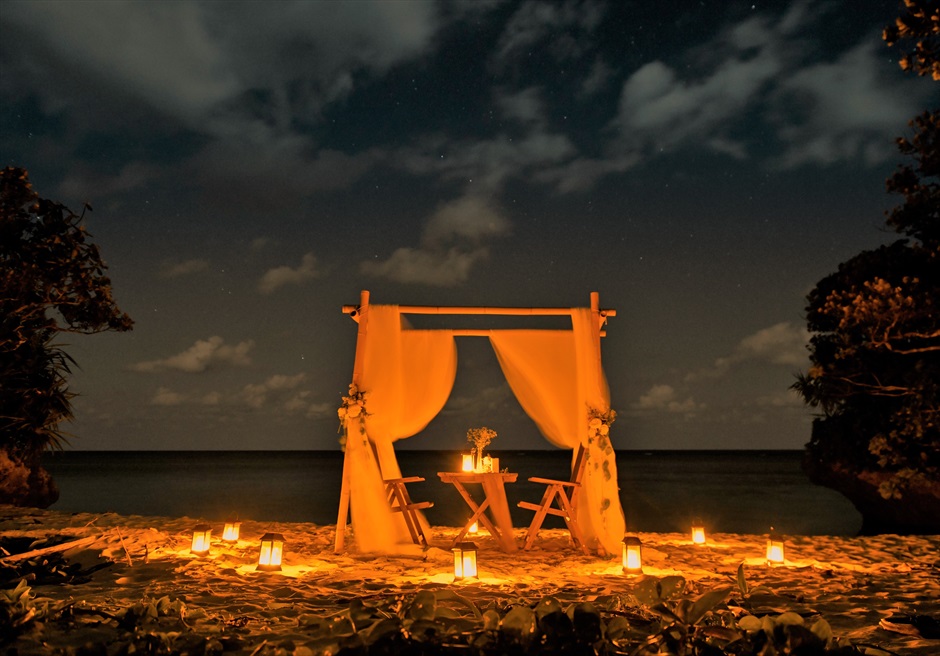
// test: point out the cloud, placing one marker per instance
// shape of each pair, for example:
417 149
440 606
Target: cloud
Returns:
525 106
848 109
780 344
256 395
663 398
659 111
484 166
82 182
488 400
166 397
453 240
566 28
178 269
783 343
301 56
202 355
277 277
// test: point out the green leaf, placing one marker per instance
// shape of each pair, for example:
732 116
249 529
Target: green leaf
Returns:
423 606
742 582
750 623
706 602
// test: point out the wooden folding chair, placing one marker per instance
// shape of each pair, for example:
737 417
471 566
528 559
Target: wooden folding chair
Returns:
400 501
560 499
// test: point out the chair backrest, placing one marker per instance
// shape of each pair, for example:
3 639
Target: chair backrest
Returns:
580 462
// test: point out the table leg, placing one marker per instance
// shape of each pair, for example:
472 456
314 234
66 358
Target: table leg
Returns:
478 514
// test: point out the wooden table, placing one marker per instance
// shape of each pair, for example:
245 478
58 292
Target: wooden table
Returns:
498 523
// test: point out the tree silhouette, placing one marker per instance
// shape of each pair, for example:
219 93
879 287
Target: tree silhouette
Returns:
51 281
876 345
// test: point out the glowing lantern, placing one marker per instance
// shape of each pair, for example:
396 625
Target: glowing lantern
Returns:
231 530
272 549
466 462
698 532
201 535
465 561
775 550
632 555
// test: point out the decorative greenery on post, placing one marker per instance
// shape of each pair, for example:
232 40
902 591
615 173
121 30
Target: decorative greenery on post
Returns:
51 281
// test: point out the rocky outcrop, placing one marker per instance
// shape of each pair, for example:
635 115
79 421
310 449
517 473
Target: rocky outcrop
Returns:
917 512
25 483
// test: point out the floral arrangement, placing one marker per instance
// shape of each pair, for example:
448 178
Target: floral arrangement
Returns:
480 438
354 405
599 422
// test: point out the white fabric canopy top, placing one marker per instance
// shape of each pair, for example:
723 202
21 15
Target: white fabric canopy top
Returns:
407 376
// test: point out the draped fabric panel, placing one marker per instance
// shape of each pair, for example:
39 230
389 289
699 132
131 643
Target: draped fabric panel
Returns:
557 378
407 376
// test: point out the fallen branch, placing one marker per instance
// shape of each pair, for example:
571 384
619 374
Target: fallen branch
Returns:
124 546
65 546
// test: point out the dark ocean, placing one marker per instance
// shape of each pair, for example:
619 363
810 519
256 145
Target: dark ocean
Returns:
661 491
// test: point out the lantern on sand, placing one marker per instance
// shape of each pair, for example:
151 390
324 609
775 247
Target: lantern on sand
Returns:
201 535
466 463
272 550
775 549
465 561
698 532
632 555
231 530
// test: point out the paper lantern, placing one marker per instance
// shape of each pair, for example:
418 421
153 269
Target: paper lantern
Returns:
465 561
201 535
698 532
632 555
466 462
231 530
272 549
775 549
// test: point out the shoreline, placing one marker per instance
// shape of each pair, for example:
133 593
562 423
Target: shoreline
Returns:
858 585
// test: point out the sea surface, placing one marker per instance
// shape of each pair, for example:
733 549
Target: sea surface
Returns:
661 491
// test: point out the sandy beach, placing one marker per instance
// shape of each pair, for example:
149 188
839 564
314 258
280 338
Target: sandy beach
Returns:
132 585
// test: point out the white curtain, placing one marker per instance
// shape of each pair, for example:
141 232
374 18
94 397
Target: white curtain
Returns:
556 376
407 376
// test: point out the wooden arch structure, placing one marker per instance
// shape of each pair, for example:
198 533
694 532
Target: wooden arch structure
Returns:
360 314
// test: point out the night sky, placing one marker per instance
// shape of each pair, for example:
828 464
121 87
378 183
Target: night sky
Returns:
254 165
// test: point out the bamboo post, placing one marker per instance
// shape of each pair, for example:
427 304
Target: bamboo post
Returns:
361 315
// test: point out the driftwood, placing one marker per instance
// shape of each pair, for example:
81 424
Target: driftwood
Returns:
65 546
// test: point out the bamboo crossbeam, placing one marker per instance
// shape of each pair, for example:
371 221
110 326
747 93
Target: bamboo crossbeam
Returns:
486 332
501 311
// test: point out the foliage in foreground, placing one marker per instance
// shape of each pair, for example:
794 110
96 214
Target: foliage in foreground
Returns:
659 616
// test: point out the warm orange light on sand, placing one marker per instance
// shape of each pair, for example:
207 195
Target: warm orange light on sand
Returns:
698 532
465 561
201 535
231 530
272 550
466 462
632 555
775 549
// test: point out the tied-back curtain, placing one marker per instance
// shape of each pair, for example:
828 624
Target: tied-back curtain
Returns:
407 376
557 378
